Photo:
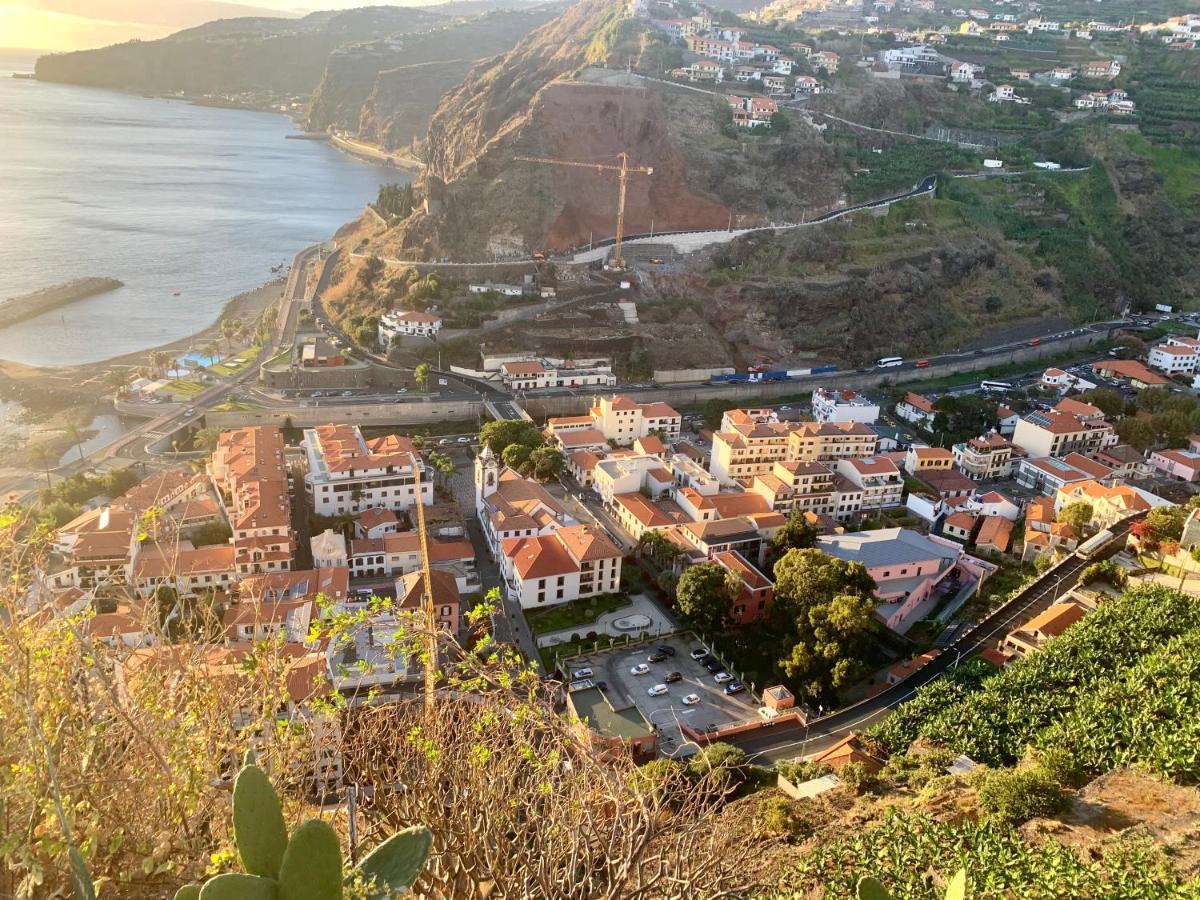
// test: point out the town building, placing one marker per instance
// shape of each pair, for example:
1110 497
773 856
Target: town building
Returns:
1032 636
907 568
531 375
830 405
1109 503
877 477
985 457
249 472
755 591
348 474
620 420
1058 432
510 506
918 460
1129 370
1181 464
570 563
409 323
916 409
1178 356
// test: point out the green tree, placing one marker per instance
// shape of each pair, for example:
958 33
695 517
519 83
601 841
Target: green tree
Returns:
797 534
498 434
516 456
421 375
1137 433
858 777
370 272
75 433
545 463
1078 515
703 597
1108 401
206 439
44 457
810 576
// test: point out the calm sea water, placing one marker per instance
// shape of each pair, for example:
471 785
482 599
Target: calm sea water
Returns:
164 196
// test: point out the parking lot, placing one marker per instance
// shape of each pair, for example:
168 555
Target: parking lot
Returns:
665 712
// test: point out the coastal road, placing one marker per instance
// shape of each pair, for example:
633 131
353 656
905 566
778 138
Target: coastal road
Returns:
792 739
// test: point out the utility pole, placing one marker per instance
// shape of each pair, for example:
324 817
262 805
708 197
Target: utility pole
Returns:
431 644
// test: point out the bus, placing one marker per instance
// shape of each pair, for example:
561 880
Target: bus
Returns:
995 386
889 361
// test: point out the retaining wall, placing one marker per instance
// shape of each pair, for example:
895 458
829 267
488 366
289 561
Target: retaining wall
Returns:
357 414
741 394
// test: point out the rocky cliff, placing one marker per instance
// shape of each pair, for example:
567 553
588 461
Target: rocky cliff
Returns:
387 89
566 93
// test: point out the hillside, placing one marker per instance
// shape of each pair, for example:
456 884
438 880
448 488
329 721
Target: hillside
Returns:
231 56
400 79
561 94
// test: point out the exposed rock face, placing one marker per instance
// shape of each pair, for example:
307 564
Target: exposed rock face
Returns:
561 94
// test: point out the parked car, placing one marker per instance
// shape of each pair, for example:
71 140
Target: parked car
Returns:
639 669
656 656
443 442
464 440
734 687
581 673
657 691
665 648
673 677
698 653
722 677
691 699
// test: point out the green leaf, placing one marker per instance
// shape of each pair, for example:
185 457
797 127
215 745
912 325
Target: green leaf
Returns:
870 888
398 861
249 758
81 878
239 886
312 864
188 892
258 823
957 888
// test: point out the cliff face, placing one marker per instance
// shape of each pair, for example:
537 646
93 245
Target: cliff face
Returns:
388 89
564 93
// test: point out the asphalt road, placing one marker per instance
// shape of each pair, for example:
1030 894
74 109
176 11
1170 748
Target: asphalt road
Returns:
790 740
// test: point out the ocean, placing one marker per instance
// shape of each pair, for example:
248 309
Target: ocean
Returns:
166 196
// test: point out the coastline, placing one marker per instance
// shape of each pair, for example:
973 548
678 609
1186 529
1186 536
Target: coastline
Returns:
366 151
247 306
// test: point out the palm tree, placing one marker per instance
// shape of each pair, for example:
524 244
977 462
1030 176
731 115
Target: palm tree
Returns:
228 328
421 375
43 456
210 351
75 433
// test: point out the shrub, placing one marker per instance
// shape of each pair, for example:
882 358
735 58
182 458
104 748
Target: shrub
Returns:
797 771
1013 796
858 777
779 815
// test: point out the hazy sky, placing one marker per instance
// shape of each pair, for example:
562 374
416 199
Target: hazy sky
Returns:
74 24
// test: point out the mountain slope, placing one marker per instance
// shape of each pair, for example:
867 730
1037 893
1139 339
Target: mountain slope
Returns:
564 93
233 55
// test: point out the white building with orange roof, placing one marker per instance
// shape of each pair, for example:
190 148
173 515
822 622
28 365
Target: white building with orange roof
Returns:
511 506
349 474
985 457
399 554
409 323
617 420
916 409
1174 357
189 570
1057 432
376 522
249 471
571 563
1109 503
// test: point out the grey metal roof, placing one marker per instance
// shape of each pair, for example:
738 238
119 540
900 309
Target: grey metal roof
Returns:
885 547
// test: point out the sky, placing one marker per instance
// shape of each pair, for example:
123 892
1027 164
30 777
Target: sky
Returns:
78 24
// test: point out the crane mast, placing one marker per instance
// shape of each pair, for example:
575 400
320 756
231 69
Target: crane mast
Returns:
624 170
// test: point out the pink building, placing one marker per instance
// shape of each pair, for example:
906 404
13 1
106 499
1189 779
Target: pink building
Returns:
1181 464
908 568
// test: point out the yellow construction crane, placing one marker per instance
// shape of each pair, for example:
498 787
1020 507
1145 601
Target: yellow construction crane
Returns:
623 172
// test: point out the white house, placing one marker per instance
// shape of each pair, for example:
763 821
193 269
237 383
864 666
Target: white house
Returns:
1178 356
916 409
407 324
829 405
569 564
348 474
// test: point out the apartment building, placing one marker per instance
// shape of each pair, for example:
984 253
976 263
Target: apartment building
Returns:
984 457
349 474
916 409
830 405
877 477
620 420
831 441
1109 503
1178 356
1181 464
571 563
918 460
748 448
249 472
755 591
1057 432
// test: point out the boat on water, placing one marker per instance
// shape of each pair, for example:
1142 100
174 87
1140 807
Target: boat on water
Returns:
176 294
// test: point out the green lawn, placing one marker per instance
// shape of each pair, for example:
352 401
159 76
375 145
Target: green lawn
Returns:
1180 168
238 364
569 615
183 388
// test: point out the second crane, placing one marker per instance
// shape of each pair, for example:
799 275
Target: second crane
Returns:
623 170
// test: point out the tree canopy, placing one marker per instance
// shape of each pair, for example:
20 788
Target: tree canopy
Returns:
704 598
